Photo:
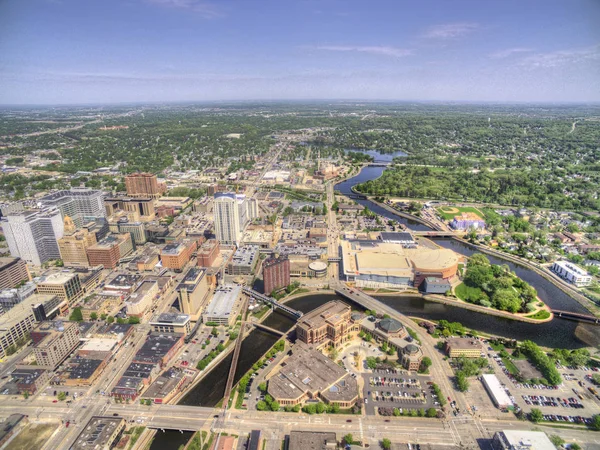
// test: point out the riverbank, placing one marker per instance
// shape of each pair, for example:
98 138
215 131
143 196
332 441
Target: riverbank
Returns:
469 306
592 307
437 299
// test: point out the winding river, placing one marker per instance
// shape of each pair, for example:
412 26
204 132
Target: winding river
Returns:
557 333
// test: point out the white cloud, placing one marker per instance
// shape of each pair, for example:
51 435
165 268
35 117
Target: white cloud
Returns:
509 52
450 30
200 7
562 57
375 50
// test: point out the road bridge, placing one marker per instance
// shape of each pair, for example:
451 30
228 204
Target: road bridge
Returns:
576 317
438 233
263 298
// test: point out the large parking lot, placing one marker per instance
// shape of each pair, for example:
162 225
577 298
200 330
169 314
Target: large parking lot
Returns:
394 388
571 402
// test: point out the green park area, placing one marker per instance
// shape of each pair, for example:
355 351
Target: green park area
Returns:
495 286
449 212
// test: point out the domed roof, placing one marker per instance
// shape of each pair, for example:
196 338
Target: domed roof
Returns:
390 325
411 349
356 315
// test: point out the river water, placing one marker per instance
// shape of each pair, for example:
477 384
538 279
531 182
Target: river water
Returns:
558 333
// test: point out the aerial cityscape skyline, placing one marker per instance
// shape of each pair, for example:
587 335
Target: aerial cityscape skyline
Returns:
65 51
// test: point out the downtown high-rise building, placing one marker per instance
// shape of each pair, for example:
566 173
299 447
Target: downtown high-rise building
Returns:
143 185
232 213
80 204
276 273
33 235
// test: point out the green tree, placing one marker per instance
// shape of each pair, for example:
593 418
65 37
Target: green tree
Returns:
556 440
386 443
425 364
462 383
574 446
93 316
133 320
321 408
431 412
274 406
261 405
536 415
110 319
76 315
61 396
214 331
349 439
596 422
262 387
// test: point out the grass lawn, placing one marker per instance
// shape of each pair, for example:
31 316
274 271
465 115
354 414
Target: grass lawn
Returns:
540 315
467 293
510 366
448 212
496 347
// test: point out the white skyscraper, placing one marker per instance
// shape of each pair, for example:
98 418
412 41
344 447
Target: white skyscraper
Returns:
231 217
77 203
33 235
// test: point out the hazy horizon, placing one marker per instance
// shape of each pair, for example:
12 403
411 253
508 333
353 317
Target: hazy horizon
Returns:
68 52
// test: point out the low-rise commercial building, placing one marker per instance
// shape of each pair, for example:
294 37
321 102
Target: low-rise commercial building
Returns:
64 284
208 253
110 250
172 323
412 355
314 440
123 282
141 300
30 379
176 255
100 433
224 306
572 273
496 390
53 342
243 261
159 348
467 347
106 303
521 440
466 221
166 386
13 272
432 285
308 374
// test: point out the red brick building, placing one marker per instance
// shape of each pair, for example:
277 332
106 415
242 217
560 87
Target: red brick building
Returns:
276 273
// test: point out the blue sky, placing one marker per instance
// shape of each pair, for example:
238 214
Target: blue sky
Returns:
107 51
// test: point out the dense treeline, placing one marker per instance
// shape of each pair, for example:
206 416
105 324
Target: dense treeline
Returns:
541 188
543 363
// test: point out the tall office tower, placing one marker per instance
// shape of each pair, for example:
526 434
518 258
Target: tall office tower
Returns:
276 273
230 217
80 204
73 244
33 235
252 207
143 185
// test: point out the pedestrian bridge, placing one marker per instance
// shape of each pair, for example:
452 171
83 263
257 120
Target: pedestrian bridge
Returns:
272 301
